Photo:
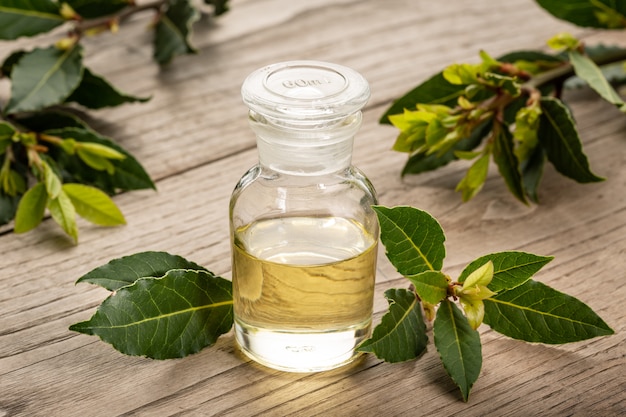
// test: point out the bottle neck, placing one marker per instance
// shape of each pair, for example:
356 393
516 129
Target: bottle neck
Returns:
305 148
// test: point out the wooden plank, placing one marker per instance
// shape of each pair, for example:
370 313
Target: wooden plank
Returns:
197 151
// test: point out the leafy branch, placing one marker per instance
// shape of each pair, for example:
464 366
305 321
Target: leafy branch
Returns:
511 106
163 306
49 157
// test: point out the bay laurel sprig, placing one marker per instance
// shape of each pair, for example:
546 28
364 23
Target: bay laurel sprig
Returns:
163 306
510 110
50 157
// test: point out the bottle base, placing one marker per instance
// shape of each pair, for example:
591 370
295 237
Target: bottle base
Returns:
301 351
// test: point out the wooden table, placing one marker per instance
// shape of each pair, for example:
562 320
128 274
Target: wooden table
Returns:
193 139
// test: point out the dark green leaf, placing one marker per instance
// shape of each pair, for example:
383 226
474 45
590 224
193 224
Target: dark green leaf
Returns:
173 30
63 212
532 170
422 162
124 271
50 119
510 269
584 12
164 318
507 163
44 77
413 239
6 132
401 335
435 90
219 6
9 62
8 207
431 286
531 56
587 70
535 312
90 9
31 208
559 137
128 175
28 17
94 205
95 92
458 346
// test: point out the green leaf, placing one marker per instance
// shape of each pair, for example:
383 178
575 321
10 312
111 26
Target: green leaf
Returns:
401 335
53 183
532 171
587 70
9 62
530 56
90 9
431 286
559 138
94 205
164 318
413 239
64 213
31 208
44 77
474 178
510 269
535 312
563 40
422 162
97 162
435 90
584 12
128 173
125 271
28 17
50 119
507 163
6 133
458 346
8 207
95 92
220 6
173 30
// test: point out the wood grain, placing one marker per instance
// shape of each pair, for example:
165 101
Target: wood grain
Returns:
194 140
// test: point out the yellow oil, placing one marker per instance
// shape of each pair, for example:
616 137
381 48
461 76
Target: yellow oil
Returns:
303 291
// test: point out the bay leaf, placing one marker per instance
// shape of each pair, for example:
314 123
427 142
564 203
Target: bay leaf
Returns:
559 138
125 271
172 31
510 269
401 335
64 213
507 163
534 312
431 286
128 173
586 69
164 318
95 92
94 205
44 77
458 346
31 208
413 239
28 18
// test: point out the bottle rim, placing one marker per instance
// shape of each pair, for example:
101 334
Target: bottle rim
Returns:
305 90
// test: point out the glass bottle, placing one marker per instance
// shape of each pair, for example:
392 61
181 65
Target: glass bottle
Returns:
304 236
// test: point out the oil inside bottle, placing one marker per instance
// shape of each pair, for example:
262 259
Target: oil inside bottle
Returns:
303 291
